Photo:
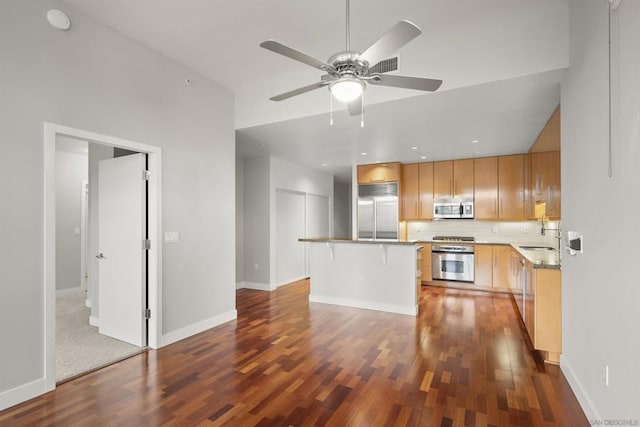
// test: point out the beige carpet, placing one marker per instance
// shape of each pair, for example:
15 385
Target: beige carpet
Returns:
79 346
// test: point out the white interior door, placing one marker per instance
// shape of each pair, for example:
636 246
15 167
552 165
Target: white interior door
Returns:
290 226
121 230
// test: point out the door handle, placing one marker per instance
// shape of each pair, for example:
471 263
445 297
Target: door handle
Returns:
100 256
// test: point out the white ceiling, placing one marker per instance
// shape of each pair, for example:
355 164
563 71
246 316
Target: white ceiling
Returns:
496 58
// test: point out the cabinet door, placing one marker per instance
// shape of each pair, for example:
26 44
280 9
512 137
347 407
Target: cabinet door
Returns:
383 172
548 311
425 266
545 181
511 187
502 267
483 258
410 192
463 179
529 319
442 179
425 207
485 181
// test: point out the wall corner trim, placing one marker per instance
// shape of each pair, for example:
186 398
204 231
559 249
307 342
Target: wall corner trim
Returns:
22 393
257 286
586 403
196 328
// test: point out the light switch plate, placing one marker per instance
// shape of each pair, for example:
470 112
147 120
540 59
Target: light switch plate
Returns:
171 237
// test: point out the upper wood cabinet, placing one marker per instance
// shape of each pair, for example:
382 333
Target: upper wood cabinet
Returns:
511 187
549 138
453 179
410 191
485 178
425 187
417 191
380 172
545 182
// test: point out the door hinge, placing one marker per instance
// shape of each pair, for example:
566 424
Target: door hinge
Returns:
146 313
146 244
146 175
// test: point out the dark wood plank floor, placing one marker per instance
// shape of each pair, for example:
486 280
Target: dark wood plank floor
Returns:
462 362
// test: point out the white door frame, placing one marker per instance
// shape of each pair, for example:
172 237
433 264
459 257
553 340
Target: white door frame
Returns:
52 130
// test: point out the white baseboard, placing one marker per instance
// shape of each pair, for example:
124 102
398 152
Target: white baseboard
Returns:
94 321
582 396
239 285
67 291
22 393
196 328
87 303
258 286
392 308
288 282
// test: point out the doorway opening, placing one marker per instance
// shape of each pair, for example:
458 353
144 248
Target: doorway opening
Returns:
119 312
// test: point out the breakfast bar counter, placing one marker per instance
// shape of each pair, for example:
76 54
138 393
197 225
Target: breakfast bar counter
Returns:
375 275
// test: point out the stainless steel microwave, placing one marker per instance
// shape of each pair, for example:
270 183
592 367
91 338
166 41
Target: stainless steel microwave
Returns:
453 209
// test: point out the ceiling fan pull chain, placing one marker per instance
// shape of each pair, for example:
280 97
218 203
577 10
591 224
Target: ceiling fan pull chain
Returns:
330 109
362 110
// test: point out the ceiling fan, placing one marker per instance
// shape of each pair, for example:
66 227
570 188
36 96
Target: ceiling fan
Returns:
348 72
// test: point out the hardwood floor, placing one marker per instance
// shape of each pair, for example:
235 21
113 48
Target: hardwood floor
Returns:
462 362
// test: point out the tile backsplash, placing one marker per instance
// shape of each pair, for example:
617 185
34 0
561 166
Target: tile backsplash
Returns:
489 231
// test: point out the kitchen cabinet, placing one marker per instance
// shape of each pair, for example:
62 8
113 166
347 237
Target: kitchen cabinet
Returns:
425 187
410 191
511 187
545 182
548 313
502 266
453 179
529 294
417 191
485 186
483 259
379 172
425 265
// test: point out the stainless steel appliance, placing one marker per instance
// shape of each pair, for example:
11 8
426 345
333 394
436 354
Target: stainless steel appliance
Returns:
453 262
453 209
378 211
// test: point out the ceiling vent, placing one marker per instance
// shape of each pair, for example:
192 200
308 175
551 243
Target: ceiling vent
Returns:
385 66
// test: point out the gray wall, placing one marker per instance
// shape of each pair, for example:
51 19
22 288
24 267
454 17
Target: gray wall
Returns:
341 210
601 288
239 221
256 220
71 170
94 79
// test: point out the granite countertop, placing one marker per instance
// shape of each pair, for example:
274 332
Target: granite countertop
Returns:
366 242
540 258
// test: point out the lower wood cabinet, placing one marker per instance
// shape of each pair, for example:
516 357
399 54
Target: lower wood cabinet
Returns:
502 266
547 333
483 260
425 265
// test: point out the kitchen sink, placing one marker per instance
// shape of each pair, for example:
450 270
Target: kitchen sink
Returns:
537 248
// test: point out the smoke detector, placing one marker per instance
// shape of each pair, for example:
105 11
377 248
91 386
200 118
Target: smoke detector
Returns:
58 19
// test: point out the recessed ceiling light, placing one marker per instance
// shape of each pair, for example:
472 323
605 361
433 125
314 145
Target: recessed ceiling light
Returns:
364 154
58 19
324 164
414 148
423 157
475 141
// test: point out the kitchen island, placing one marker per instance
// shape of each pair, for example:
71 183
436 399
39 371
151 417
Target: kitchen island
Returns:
376 275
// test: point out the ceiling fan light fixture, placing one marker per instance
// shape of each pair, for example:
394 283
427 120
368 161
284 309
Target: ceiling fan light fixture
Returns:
347 89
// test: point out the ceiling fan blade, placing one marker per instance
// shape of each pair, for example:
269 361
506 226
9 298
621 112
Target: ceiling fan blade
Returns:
277 47
355 107
399 35
298 91
405 82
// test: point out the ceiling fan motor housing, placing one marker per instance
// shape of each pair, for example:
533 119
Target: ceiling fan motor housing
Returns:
346 63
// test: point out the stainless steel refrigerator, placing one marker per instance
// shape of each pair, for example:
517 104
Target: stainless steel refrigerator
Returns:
378 211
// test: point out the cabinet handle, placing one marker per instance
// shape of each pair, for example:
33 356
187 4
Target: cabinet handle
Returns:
495 260
501 205
417 211
548 200
538 184
455 186
451 187
495 206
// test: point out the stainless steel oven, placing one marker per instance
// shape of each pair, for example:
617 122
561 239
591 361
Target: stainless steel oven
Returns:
452 262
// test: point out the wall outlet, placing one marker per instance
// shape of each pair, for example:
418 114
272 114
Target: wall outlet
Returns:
525 229
605 375
256 267
494 229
